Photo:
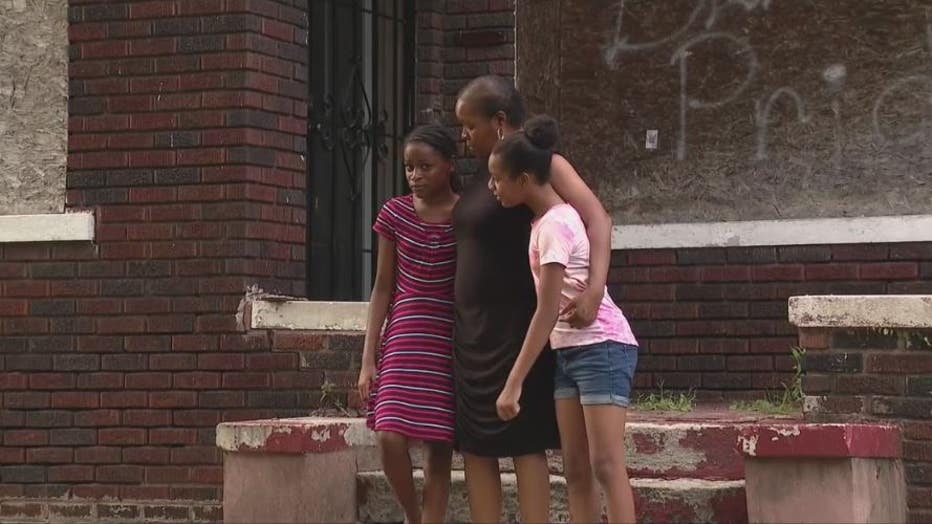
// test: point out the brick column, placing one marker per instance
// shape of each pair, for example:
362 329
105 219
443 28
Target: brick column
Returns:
117 359
858 367
187 133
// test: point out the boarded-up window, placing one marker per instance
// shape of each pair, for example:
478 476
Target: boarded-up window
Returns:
33 105
708 110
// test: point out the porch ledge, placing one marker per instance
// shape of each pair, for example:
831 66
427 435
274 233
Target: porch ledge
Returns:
53 227
294 435
797 232
310 315
820 441
856 311
757 439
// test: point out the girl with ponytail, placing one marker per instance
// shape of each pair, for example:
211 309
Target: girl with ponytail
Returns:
595 363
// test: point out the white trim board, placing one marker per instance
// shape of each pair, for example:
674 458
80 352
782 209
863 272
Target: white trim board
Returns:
854 311
55 227
862 230
307 314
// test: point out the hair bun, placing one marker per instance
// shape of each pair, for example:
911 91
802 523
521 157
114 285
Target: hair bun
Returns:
542 131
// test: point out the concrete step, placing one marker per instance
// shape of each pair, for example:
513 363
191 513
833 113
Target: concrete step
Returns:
672 450
657 500
702 445
661 450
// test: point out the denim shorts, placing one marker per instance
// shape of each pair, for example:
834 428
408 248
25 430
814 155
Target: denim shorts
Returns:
599 374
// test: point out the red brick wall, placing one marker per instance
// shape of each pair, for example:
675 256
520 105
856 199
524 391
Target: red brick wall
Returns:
429 58
874 374
186 134
186 138
118 358
479 39
715 320
458 40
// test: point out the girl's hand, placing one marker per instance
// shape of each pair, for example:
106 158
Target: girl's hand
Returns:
366 378
507 403
582 310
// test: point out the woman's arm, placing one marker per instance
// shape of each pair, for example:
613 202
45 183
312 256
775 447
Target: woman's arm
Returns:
567 182
379 303
542 323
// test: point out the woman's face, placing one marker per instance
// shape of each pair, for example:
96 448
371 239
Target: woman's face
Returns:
427 171
510 191
480 132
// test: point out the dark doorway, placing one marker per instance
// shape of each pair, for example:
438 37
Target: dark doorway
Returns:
362 101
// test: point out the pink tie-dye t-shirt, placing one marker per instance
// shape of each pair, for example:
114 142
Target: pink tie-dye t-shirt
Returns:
559 236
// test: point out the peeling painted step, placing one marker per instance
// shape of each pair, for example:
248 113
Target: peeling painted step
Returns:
701 445
690 500
684 450
657 500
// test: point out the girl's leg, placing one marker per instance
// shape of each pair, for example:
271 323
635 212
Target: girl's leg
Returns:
533 487
396 462
583 494
484 487
605 429
437 483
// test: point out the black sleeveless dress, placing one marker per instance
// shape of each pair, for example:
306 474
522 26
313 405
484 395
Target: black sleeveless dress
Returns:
494 300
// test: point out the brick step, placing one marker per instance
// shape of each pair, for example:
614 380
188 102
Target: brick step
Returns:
657 500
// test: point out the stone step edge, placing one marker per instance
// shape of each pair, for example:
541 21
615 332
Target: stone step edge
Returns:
321 435
817 440
695 449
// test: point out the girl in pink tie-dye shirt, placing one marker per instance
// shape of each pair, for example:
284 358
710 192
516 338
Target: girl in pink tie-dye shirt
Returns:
595 364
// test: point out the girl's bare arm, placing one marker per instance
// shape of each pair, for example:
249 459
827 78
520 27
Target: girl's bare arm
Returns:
571 187
379 302
542 323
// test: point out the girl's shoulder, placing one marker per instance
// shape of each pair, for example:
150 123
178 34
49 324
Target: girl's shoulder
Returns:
564 221
402 201
563 214
399 205
395 213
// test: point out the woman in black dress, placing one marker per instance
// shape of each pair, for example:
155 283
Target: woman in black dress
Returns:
494 301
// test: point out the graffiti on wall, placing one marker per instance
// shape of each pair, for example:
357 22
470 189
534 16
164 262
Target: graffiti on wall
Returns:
764 108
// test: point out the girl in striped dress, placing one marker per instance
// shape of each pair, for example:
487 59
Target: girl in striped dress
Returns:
407 368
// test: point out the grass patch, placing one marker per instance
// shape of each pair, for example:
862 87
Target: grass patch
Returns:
787 402
666 401
767 407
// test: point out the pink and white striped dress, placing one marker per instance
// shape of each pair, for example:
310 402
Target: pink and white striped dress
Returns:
413 393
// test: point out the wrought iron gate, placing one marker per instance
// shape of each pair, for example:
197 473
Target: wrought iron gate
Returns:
362 101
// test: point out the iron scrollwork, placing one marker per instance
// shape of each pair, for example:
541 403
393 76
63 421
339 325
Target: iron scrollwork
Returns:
349 125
